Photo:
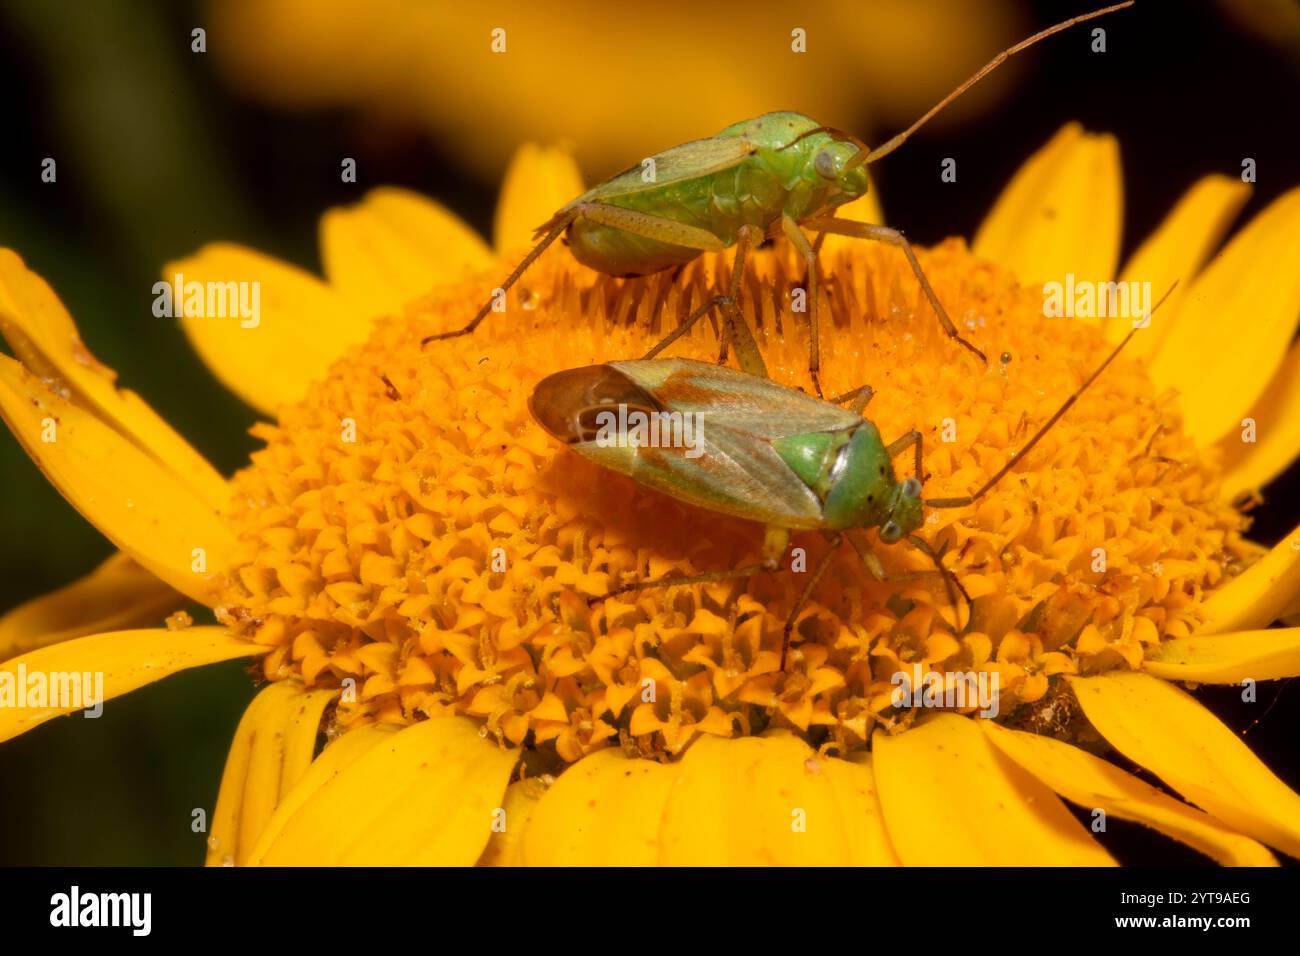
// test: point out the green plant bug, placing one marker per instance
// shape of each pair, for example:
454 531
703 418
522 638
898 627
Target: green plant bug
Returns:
771 176
746 446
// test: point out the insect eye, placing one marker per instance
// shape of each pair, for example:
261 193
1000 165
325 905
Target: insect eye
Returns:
890 532
824 163
911 488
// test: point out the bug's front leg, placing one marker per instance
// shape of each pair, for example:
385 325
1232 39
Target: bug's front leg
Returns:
951 584
818 573
866 230
860 396
912 438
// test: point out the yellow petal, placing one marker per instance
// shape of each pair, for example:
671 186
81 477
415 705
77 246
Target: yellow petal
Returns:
1259 595
1061 213
1228 658
302 325
138 504
1164 730
951 799
273 748
605 810
865 835
1176 251
394 246
424 796
1095 784
1290 614
1236 321
118 594
126 659
337 757
1249 466
538 181
45 339
763 801
506 845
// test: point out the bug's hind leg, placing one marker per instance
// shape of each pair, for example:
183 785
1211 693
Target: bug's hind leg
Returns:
629 220
735 329
809 254
683 328
561 224
866 230
738 331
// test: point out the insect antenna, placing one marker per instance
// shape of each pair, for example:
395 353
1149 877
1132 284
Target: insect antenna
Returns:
1047 426
893 144
836 134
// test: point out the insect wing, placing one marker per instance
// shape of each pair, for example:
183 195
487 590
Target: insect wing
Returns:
702 157
726 398
722 470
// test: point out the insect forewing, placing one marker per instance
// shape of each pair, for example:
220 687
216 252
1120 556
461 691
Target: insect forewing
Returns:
729 464
701 157
729 398
731 472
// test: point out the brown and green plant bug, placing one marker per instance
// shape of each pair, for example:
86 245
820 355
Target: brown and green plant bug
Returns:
761 178
742 445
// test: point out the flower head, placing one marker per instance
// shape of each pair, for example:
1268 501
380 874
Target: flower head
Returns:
427 576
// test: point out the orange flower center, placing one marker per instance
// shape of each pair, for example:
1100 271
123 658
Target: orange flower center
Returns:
410 534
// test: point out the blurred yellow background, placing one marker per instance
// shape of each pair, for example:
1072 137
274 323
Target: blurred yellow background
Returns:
616 81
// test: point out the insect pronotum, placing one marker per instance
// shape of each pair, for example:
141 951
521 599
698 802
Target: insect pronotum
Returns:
771 176
762 452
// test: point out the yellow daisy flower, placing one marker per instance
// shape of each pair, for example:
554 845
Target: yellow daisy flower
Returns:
423 574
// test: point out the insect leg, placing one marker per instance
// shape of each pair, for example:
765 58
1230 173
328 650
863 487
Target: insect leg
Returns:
666 285
668 231
860 395
683 328
877 570
775 543
629 220
914 439
556 231
866 230
911 438
800 242
806 593
950 580
746 572
747 353
736 330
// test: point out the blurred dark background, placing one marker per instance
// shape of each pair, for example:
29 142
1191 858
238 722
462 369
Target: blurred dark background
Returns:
160 150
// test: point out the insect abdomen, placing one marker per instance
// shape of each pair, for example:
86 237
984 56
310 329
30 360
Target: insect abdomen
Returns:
719 203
